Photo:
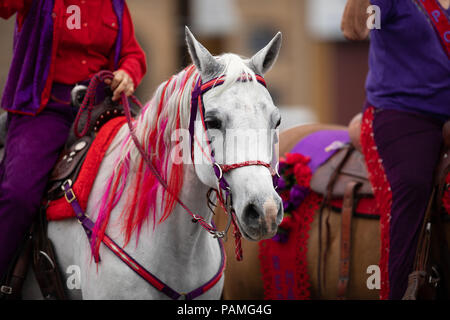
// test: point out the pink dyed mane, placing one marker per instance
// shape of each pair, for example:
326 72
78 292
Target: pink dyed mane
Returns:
168 111
141 197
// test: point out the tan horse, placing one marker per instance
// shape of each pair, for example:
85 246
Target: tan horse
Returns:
243 279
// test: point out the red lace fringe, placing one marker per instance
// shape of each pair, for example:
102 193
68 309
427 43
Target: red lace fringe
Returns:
306 213
382 192
297 245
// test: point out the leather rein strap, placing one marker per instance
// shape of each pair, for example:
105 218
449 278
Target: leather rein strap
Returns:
153 280
348 209
325 202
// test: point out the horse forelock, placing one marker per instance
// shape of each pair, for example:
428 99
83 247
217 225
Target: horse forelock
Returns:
167 111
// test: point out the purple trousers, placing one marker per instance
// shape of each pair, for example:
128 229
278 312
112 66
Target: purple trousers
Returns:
409 145
32 147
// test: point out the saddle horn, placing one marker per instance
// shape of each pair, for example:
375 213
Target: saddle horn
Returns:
77 95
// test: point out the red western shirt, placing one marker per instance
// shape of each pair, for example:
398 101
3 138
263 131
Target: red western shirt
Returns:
86 47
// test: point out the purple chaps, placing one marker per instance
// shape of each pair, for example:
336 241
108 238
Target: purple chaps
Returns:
33 145
409 145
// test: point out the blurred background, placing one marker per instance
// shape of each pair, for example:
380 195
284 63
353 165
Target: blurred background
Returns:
318 77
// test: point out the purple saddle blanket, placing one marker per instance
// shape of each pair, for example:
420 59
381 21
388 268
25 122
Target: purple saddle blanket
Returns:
321 145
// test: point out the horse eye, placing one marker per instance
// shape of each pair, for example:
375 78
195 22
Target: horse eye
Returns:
213 123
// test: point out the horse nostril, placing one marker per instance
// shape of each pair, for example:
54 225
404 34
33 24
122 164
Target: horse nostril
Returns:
280 212
251 214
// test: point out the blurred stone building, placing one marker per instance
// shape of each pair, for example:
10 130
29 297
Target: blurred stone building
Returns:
315 70
325 75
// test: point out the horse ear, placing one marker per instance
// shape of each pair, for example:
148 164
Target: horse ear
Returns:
203 60
266 57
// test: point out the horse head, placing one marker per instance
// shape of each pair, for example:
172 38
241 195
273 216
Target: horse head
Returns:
240 120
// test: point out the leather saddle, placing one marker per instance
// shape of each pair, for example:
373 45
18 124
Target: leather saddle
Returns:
345 166
345 176
348 165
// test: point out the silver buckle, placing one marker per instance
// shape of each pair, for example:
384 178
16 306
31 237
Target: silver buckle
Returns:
45 255
67 182
6 290
220 235
220 170
434 277
68 194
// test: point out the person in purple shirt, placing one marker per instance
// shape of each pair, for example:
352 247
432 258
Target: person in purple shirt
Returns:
408 91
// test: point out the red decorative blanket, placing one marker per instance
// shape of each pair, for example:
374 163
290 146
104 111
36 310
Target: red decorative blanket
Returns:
60 209
284 264
284 257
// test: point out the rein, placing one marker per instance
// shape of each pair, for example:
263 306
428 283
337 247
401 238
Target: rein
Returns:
225 202
88 225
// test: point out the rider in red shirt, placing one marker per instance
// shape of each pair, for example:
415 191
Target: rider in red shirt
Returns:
79 38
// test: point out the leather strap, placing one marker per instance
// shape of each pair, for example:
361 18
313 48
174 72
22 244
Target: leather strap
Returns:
44 261
417 279
11 289
423 248
432 250
324 204
152 279
348 208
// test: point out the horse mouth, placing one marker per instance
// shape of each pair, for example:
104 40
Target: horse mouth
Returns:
246 234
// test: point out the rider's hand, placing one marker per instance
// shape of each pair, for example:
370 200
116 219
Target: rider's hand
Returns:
122 82
354 20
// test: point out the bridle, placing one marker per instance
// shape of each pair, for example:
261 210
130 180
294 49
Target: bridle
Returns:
223 187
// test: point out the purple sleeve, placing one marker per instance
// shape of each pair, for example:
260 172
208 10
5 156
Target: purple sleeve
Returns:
386 7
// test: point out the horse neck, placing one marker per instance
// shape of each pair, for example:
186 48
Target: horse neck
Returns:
179 250
179 225
177 243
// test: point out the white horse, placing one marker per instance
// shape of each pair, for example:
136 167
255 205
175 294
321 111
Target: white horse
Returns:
168 244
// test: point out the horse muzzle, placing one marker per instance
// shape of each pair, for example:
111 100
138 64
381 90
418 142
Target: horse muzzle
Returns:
260 221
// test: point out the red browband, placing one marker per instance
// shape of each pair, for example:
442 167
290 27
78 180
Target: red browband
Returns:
219 81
